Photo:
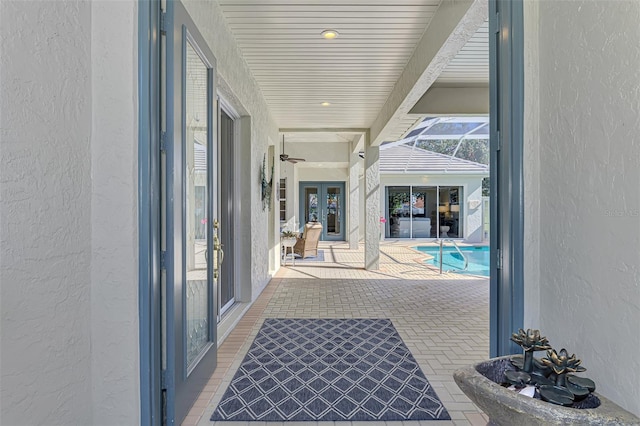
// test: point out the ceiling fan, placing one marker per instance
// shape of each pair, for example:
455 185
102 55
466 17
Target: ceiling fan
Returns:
285 157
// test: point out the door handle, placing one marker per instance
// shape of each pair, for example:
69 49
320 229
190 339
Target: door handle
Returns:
218 255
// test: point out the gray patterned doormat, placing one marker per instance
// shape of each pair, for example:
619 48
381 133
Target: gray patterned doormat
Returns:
329 370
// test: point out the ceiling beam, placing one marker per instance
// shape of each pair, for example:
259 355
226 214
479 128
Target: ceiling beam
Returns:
358 143
453 101
455 22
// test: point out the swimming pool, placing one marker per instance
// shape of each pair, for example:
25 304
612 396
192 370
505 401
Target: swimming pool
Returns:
478 258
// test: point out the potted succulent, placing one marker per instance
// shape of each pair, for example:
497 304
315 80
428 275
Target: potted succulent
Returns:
523 390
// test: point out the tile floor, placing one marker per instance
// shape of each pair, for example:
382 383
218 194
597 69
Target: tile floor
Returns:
443 319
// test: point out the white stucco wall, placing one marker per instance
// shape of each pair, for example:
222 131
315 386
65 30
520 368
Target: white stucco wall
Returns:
329 174
236 77
531 167
68 226
326 152
472 190
45 228
114 215
362 213
589 169
353 190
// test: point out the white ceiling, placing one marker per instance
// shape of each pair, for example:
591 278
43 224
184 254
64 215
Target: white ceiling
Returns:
321 137
471 64
297 69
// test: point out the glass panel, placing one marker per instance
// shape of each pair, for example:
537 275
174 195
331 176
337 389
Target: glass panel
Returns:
456 207
311 204
451 212
399 223
453 128
226 279
415 132
432 209
443 212
333 210
482 131
283 200
476 150
196 234
420 213
485 219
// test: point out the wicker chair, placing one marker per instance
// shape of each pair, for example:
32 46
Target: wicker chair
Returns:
307 245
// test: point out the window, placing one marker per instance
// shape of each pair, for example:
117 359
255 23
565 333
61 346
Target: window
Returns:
282 196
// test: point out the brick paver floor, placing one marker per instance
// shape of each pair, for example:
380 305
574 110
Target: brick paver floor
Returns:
443 319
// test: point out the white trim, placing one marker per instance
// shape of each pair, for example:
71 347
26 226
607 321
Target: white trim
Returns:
228 108
427 172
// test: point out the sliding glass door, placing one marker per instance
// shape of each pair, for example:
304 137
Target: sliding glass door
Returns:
424 212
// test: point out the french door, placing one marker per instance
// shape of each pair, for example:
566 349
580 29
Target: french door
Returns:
189 229
324 202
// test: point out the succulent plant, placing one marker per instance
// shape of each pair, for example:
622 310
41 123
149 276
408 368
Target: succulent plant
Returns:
550 375
561 364
530 341
517 378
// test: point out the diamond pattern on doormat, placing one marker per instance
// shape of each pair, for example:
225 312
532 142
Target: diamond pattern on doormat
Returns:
329 370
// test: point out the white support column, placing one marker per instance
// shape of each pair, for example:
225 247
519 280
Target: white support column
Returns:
372 207
354 200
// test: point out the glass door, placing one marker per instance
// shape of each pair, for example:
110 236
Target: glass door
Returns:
333 199
423 202
324 202
399 212
226 280
311 208
189 232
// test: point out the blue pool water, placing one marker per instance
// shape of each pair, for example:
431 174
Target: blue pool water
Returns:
452 261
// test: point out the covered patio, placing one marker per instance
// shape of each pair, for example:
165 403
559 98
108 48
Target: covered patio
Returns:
95 186
443 319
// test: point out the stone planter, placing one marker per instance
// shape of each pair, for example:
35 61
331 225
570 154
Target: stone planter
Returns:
506 407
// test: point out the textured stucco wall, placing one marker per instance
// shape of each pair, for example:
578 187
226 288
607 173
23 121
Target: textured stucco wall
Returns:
322 152
329 174
233 69
68 213
354 190
531 167
45 227
114 227
372 195
589 62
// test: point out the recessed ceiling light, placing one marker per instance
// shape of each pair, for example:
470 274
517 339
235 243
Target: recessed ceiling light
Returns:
329 34
325 104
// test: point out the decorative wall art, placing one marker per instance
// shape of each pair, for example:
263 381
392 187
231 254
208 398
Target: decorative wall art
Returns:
267 186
